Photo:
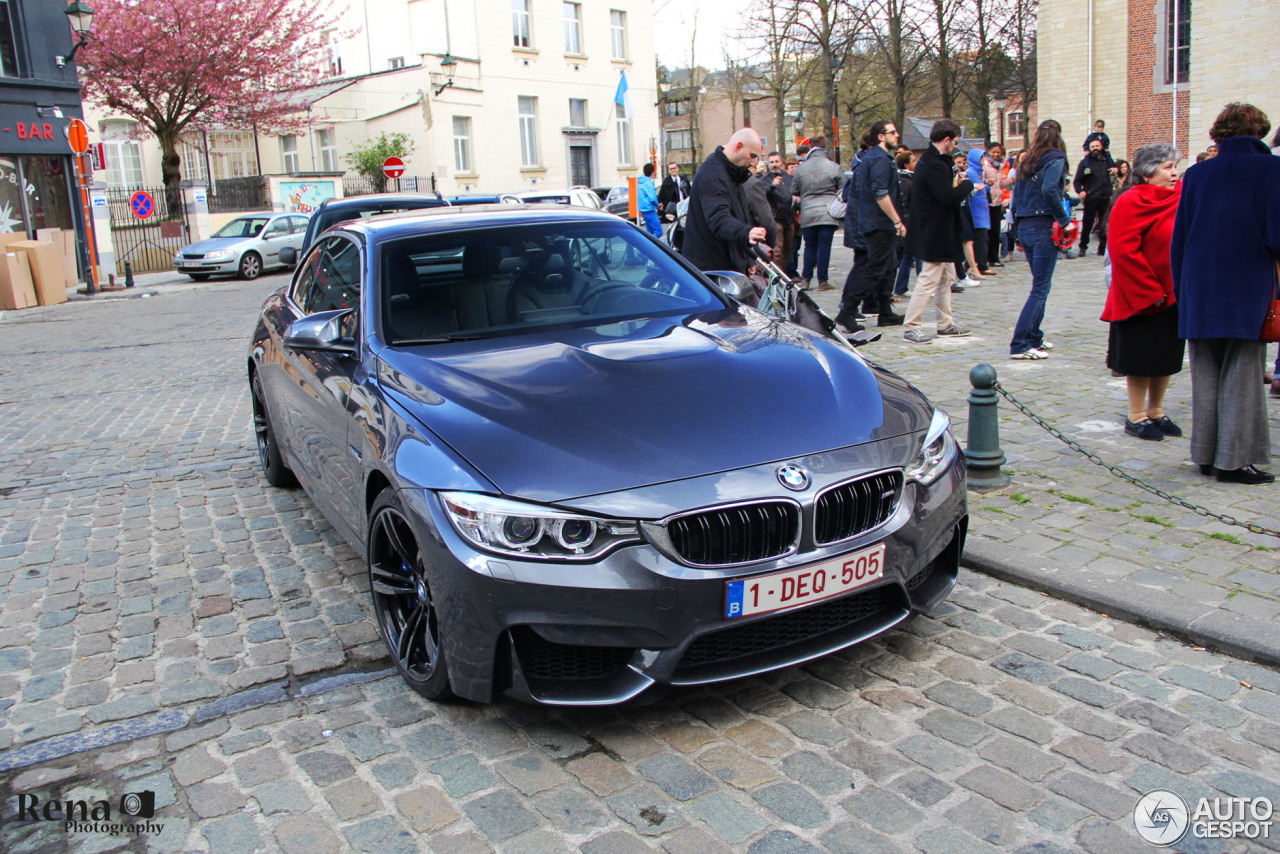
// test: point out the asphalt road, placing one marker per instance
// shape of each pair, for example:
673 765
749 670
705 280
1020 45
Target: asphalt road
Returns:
170 624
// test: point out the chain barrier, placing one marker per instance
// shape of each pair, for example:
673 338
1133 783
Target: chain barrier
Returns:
1124 475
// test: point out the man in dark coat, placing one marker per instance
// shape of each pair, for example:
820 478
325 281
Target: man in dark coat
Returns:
880 217
779 189
1093 185
933 231
718 231
674 189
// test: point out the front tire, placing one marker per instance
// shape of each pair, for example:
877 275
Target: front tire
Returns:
250 265
403 600
273 466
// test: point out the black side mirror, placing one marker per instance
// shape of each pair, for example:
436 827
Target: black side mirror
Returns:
288 256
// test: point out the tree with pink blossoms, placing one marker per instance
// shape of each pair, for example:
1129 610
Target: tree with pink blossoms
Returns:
175 65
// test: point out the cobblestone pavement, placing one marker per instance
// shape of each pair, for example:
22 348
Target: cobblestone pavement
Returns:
1070 526
170 624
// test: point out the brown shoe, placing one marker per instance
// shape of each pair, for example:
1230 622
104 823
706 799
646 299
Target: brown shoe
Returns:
826 286
805 284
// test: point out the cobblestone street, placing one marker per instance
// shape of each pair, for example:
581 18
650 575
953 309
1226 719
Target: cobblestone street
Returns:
170 624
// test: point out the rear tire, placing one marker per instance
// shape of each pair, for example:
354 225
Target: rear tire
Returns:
408 618
273 466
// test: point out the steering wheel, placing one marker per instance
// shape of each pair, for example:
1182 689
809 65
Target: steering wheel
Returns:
592 298
655 281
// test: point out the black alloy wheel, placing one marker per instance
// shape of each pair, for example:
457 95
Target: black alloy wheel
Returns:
273 466
403 600
250 265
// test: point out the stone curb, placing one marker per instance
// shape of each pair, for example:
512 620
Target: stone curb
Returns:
1201 625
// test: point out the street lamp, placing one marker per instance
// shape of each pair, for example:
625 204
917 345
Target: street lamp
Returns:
798 125
81 18
449 66
1000 101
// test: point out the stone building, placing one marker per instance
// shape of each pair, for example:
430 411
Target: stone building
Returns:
1135 63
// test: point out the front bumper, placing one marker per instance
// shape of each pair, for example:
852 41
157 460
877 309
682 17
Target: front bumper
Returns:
605 632
202 265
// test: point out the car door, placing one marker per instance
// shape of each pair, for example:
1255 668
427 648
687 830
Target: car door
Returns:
275 235
322 382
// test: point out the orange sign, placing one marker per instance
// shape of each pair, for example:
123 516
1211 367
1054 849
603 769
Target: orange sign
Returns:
78 136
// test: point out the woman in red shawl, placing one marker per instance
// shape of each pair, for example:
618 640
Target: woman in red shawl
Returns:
1144 345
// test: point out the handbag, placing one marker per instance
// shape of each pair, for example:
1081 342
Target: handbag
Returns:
1271 323
837 207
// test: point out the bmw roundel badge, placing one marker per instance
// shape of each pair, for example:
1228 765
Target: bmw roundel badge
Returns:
793 478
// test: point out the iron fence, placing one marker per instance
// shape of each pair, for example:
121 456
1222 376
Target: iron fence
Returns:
362 185
250 193
147 229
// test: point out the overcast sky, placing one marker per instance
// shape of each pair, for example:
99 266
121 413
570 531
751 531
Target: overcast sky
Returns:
718 24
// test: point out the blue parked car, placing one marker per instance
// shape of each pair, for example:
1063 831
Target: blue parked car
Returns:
580 471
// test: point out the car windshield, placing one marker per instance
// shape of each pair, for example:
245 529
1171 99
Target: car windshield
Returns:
245 226
511 281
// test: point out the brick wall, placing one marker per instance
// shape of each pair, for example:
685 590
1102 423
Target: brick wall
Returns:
1150 111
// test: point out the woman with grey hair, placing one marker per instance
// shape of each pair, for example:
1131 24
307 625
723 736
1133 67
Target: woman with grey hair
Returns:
1144 345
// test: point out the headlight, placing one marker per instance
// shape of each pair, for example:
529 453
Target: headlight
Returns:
937 453
219 254
532 531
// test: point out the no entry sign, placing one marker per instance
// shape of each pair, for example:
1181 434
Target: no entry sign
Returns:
78 136
393 167
142 204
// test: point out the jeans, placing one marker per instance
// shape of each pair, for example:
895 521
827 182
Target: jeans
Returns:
1095 211
882 251
817 249
853 282
1042 256
980 249
904 272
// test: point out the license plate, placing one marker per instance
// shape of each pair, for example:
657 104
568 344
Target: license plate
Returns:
804 585
190 263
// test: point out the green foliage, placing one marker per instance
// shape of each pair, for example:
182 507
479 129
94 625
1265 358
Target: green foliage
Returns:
1020 498
1154 520
368 157
1073 498
1227 537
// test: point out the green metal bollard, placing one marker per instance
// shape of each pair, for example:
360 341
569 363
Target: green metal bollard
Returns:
982 450
128 274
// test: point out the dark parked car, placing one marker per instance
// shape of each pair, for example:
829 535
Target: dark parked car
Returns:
333 211
580 471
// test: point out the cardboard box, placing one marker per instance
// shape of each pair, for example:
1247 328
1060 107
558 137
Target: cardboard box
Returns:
11 237
46 269
16 289
65 240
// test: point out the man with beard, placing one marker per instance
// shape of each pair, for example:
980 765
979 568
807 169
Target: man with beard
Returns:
779 190
880 221
718 230
1093 184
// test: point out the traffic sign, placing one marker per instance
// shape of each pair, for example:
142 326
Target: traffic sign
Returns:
99 152
393 167
78 136
142 204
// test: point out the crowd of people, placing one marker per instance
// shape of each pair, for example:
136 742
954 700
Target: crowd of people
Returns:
1192 258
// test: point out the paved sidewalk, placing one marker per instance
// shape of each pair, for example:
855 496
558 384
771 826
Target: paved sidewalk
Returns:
1070 527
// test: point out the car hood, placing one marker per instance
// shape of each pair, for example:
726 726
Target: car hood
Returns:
578 412
213 244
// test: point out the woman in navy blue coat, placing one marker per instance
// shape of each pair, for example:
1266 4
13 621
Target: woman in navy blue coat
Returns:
1226 240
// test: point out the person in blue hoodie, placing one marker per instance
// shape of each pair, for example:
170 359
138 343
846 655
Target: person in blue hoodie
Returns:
1038 203
979 210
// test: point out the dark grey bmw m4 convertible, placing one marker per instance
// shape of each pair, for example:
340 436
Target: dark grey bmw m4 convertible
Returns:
580 470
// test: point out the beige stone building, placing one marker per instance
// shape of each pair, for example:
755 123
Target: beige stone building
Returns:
526 101
1137 63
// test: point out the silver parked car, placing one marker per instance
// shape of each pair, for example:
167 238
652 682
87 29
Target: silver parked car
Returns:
244 247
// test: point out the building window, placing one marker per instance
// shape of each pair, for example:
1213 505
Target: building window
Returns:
462 145
618 33
578 112
232 154
624 136
327 143
124 155
396 62
335 52
528 131
195 161
1017 124
521 30
289 153
675 108
1177 29
8 55
680 139
573 28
